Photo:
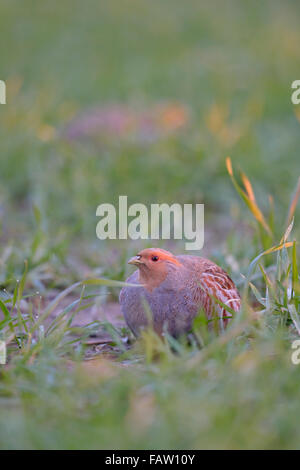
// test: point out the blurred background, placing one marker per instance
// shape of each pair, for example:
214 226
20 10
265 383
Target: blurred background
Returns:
144 99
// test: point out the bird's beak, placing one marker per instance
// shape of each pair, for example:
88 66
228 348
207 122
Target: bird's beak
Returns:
135 260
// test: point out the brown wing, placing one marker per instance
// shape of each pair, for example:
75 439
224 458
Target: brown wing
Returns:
212 282
216 284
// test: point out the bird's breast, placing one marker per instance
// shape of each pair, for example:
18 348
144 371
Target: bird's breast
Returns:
169 306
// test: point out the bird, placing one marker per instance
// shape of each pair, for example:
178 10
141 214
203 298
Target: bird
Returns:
169 291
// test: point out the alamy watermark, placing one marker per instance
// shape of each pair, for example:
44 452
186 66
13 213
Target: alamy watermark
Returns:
2 352
296 94
2 92
164 221
295 357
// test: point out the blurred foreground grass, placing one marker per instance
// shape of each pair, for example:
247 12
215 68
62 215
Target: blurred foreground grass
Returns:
222 77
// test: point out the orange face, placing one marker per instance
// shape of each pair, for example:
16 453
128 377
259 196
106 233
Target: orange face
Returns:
153 258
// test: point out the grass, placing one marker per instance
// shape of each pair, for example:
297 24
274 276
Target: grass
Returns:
239 390
214 85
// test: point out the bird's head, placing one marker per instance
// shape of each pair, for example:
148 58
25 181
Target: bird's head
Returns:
154 265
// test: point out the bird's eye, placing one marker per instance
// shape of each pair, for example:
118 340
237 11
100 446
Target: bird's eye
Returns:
154 258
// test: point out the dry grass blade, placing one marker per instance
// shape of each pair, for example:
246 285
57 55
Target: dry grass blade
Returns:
248 198
287 232
248 187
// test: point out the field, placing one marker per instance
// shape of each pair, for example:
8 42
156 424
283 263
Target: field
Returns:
147 99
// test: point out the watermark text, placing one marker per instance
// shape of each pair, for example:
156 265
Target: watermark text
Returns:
295 358
296 94
180 222
2 92
2 352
